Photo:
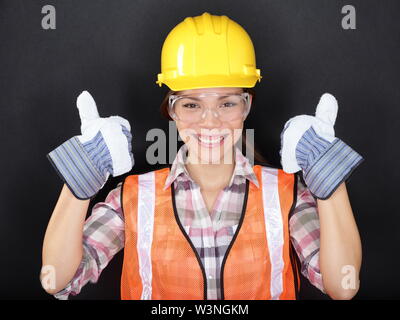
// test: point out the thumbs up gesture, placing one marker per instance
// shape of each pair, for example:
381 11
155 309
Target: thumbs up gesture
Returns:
104 148
309 144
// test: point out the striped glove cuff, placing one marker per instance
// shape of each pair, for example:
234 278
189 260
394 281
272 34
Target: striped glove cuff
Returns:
77 169
325 164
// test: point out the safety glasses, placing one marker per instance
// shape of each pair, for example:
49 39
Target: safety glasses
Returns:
193 108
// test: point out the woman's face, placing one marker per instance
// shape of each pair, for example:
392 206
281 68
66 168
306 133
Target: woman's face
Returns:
210 139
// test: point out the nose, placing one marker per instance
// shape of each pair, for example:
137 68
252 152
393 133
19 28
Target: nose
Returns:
210 118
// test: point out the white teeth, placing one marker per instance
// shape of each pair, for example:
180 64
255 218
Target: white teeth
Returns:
209 140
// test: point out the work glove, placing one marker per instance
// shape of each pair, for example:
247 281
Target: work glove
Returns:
104 148
309 144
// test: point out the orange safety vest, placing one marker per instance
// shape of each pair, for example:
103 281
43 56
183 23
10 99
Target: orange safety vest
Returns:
161 263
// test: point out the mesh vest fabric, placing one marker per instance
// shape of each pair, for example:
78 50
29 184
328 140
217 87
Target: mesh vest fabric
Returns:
160 262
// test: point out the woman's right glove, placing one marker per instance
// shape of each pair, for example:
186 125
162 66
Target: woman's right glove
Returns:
86 161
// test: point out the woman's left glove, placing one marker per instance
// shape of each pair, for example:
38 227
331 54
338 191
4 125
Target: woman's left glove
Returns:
308 143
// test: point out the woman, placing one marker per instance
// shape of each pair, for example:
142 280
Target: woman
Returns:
211 226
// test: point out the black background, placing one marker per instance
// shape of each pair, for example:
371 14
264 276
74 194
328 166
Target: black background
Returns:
112 49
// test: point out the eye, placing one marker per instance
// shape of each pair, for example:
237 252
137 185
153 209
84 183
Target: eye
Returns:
190 105
229 104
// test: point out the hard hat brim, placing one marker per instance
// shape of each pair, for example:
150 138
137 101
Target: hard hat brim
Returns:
210 81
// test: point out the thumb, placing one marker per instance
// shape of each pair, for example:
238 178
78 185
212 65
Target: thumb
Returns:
87 107
327 109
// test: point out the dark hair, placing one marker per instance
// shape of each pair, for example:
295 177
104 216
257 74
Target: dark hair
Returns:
258 157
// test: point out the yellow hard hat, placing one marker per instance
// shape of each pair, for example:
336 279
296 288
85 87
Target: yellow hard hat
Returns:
208 51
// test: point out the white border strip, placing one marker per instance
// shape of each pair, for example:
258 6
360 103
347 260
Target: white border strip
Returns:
145 224
274 228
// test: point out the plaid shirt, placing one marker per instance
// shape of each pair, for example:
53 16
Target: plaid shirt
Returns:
210 232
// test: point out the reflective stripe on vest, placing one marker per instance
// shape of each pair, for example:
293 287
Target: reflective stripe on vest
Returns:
146 206
161 263
273 229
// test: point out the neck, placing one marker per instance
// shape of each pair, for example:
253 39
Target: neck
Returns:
211 176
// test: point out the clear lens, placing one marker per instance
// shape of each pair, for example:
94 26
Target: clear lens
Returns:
193 108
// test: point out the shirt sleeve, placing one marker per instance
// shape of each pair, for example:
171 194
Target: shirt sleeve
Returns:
103 237
305 234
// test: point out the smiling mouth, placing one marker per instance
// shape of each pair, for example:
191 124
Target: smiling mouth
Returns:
210 141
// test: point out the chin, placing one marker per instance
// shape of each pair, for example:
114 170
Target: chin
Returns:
220 155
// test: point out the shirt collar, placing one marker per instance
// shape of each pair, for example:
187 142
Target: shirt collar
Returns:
242 168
